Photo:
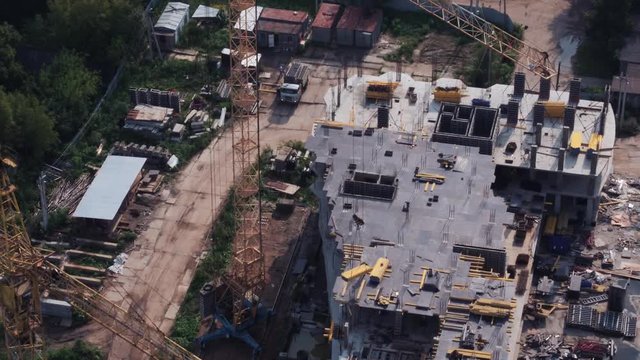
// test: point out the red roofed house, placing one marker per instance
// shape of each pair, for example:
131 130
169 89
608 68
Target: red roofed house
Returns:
323 26
282 29
359 26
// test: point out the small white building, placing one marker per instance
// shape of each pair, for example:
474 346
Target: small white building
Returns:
248 19
171 24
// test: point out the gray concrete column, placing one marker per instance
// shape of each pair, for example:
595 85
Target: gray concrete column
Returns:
561 153
533 156
565 136
538 131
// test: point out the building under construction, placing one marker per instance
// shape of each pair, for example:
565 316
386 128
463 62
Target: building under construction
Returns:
431 201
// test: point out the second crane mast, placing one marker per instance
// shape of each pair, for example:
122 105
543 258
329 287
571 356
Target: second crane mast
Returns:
489 35
246 274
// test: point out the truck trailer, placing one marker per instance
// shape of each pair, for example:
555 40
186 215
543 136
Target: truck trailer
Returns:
296 78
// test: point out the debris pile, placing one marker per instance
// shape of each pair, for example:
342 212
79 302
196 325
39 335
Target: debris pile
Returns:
544 346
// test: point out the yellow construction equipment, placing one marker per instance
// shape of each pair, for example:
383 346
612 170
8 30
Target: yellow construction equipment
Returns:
355 272
575 141
428 177
594 142
452 96
491 36
25 269
599 288
489 311
554 109
328 332
503 304
469 354
544 310
550 225
380 90
377 273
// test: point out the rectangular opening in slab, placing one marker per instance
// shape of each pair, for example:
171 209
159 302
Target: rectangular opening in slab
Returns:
366 177
464 112
387 179
459 127
448 108
445 122
484 121
370 190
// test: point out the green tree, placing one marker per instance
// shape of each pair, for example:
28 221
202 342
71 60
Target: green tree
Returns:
607 26
25 126
11 72
105 30
68 89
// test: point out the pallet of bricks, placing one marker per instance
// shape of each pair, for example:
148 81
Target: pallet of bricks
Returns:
156 155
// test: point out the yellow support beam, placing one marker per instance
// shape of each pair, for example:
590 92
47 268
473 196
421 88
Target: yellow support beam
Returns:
471 354
355 272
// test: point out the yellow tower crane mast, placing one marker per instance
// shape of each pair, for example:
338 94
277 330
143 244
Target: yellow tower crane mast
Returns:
245 277
491 36
25 274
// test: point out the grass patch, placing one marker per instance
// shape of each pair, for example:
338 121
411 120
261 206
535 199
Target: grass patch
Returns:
410 29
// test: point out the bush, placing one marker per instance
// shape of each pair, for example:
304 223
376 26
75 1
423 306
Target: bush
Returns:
79 351
126 237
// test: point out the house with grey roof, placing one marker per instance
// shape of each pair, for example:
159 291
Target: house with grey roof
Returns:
170 25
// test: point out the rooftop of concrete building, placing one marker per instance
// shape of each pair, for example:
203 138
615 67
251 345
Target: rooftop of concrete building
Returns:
421 116
462 211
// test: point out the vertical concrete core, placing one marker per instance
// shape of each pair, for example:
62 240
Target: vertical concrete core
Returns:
565 136
533 156
594 163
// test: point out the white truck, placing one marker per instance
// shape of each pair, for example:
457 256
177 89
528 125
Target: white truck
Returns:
296 78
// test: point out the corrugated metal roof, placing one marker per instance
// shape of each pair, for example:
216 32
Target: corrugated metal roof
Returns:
205 12
360 19
248 18
370 20
284 15
350 17
631 51
326 16
172 16
109 188
278 27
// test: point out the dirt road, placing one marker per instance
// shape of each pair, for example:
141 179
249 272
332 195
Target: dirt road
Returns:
552 26
626 157
161 266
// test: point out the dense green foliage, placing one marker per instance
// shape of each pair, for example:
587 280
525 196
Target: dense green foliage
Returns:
67 88
26 127
105 30
477 72
606 29
79 351
11 73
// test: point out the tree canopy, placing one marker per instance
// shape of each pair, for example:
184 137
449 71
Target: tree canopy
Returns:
11 72
105 30
25 126
606 30
68 87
